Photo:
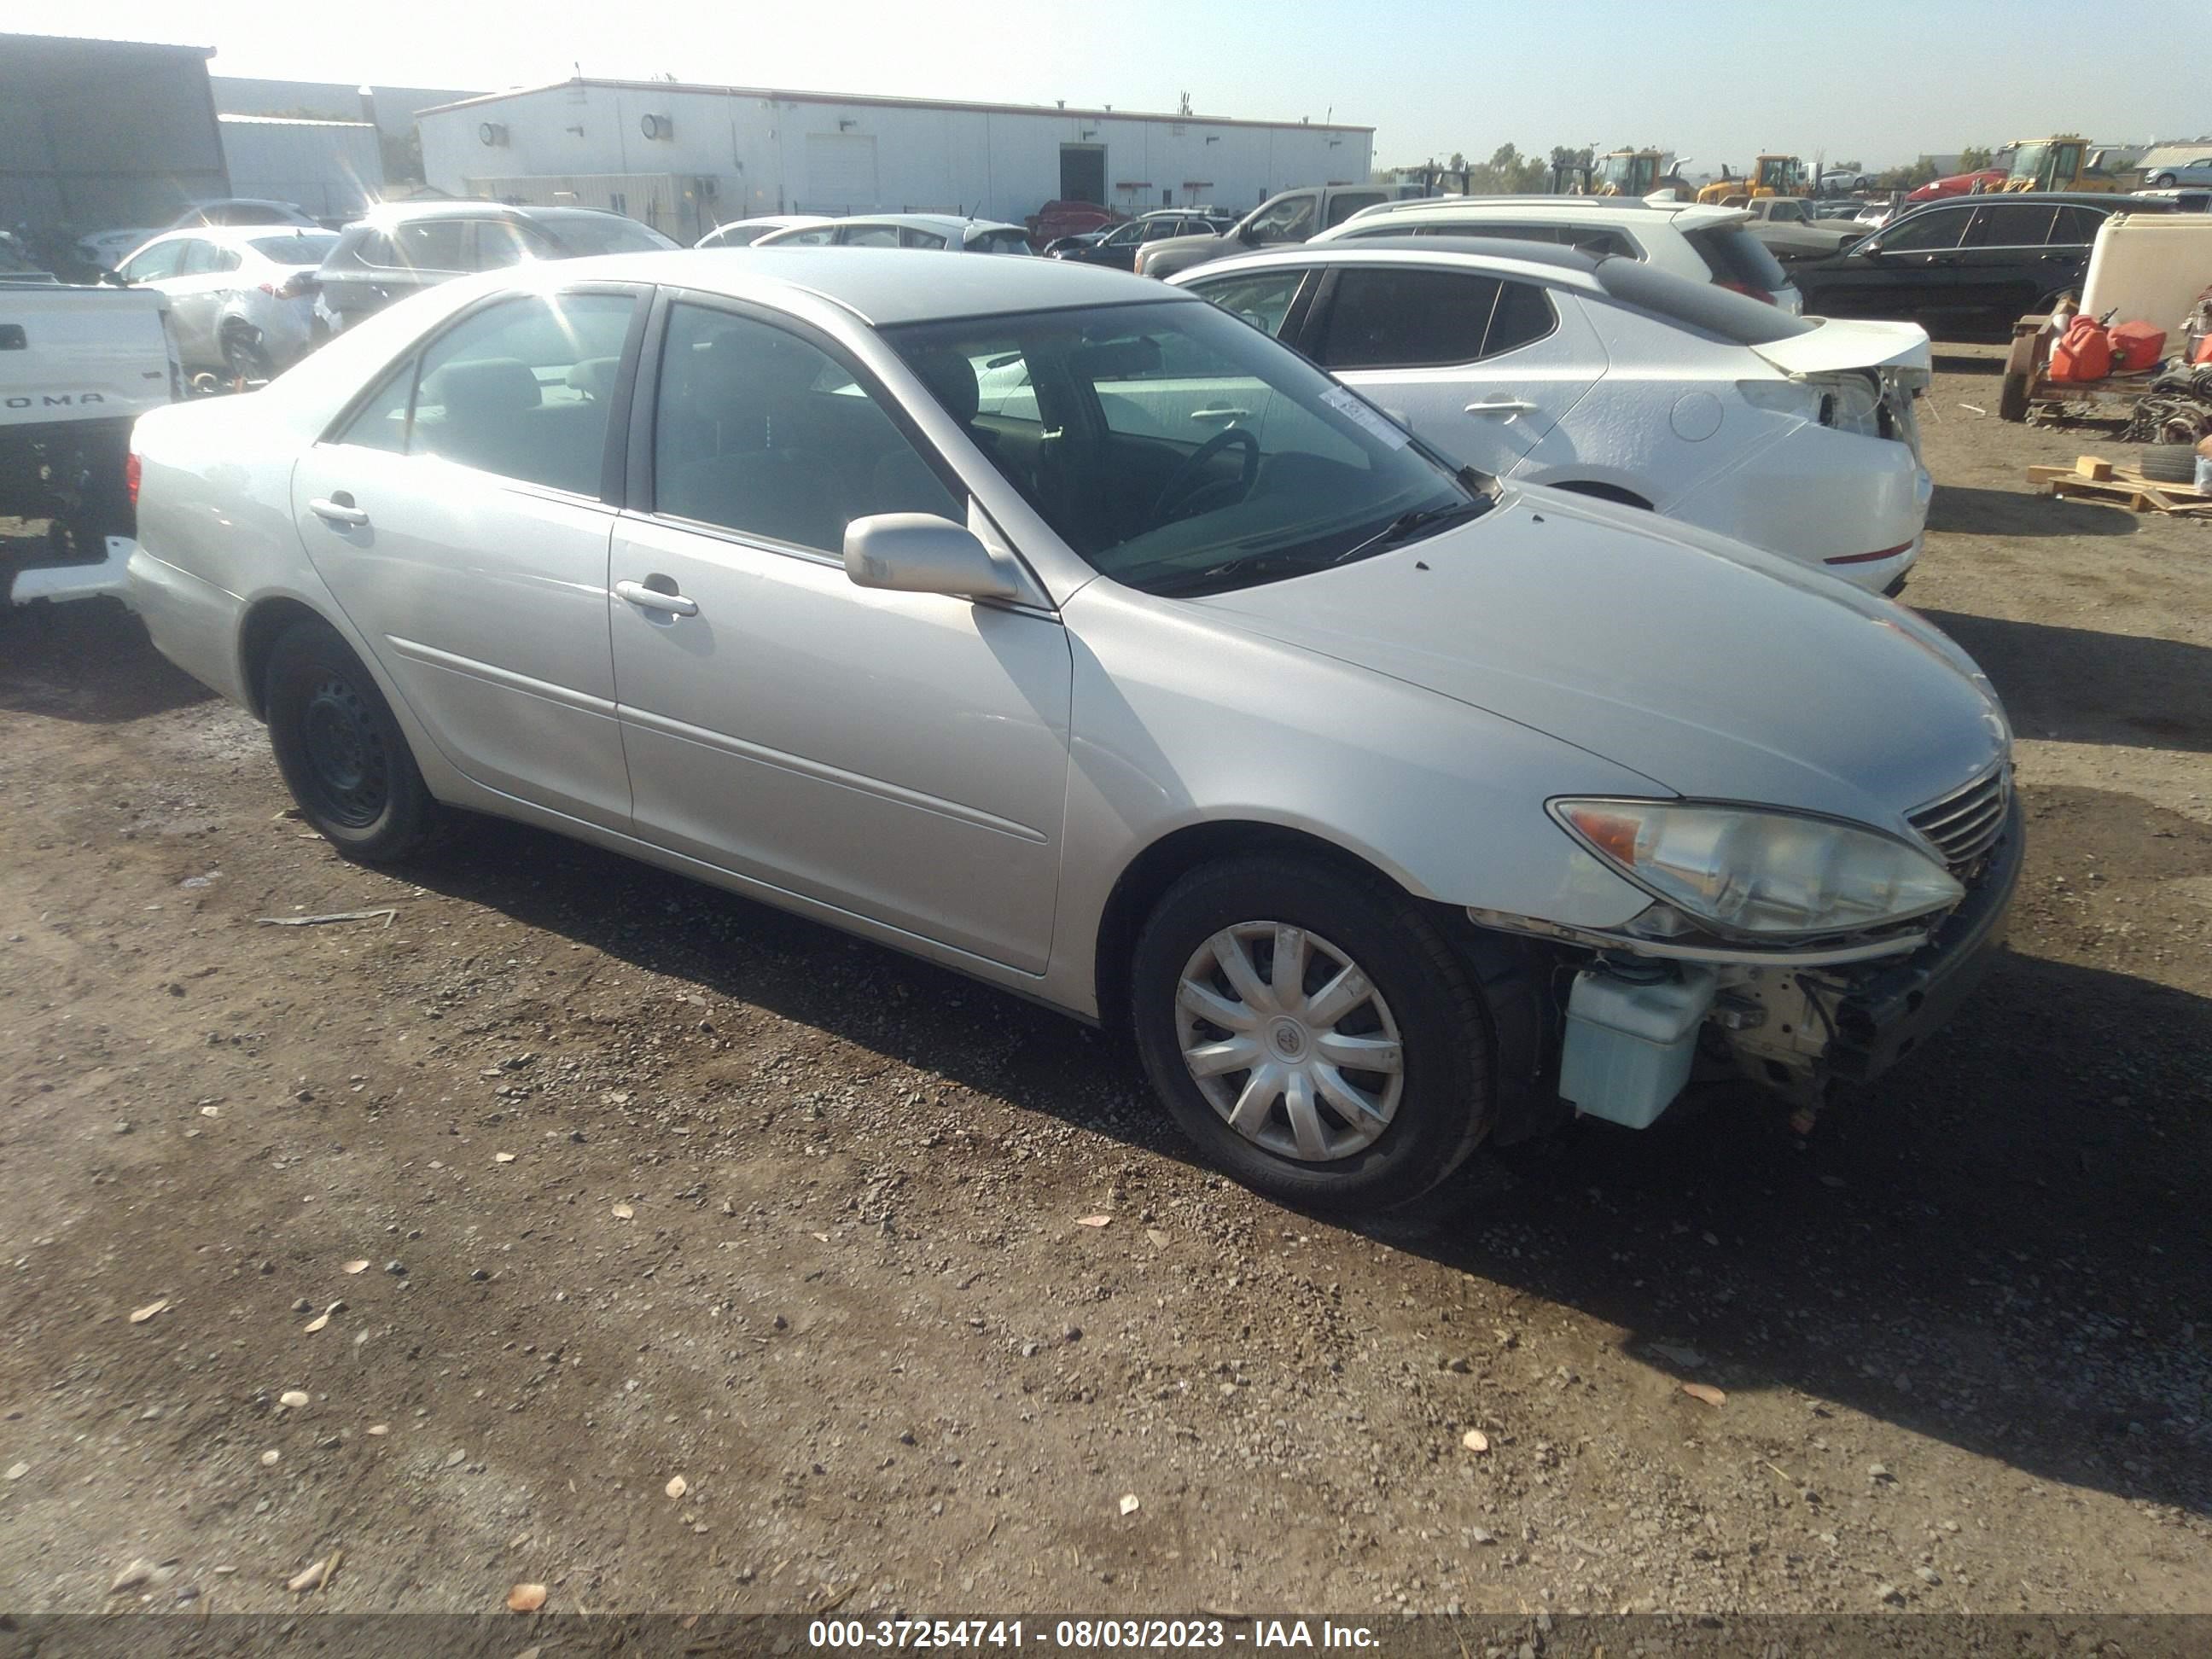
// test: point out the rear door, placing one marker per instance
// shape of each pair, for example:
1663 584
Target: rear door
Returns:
2005 257
1482 368
461 514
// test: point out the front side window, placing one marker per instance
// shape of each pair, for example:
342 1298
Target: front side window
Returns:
1926 233
1290 220
1385 318
1261 298
509 390
151 264
1126 236
1179 452
759 431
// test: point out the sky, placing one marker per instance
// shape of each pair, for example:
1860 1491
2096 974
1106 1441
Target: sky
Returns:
1875 81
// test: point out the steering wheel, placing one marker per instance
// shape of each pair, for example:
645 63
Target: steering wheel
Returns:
1189 481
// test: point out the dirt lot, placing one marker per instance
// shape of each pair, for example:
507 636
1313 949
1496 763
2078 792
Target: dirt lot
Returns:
651 1182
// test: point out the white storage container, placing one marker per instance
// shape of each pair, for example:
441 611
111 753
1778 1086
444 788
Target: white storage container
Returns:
1632 1033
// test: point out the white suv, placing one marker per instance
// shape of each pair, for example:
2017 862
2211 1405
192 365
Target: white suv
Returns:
1705 244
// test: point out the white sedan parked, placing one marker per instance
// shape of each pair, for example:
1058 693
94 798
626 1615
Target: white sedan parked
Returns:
1601 374
241 298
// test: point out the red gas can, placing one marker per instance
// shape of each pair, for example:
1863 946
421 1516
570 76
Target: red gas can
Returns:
2137 346
2084 352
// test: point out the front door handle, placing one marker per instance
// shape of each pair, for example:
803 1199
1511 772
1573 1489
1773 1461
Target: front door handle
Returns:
1220 414
1501 406
652 598
339 511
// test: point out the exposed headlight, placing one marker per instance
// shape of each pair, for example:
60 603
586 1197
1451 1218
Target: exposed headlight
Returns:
1760 872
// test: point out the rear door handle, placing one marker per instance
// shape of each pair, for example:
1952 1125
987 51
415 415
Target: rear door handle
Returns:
652 598
1501 406
343 512
1220 414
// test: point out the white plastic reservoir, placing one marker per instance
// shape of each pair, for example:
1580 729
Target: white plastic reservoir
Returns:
1632 1033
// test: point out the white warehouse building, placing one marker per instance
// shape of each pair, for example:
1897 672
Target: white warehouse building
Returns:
684 158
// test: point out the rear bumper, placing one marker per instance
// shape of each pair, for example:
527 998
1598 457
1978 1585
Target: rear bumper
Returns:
192 623
75 579
1815 495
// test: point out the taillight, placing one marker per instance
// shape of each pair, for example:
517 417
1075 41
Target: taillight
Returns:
131 477
1759 294
297 286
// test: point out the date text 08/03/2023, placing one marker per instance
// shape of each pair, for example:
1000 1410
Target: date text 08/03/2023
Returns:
1087 1634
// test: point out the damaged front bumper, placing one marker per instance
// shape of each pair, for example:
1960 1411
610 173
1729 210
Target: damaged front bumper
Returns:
1640 1010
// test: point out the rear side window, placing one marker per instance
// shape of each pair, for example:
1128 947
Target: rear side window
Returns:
1406 319
1000 241
160 260
431 244
2009 224
910 238
869 236
1737 258
1351 202
498 244
519 389
2076 227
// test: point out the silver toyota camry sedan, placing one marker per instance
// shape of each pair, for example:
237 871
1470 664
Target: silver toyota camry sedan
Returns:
1062 628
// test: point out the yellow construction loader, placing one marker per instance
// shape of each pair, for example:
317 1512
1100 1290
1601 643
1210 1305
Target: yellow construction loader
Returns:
2067 163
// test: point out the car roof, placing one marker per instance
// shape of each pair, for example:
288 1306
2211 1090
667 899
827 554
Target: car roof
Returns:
1594 210
392 213
1543 262
2034 198
879 285
948 223
230 235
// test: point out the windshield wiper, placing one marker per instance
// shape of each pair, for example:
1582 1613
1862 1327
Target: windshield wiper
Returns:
1411 526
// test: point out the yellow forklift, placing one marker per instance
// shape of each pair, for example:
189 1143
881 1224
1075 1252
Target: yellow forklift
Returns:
1772 175
2066 163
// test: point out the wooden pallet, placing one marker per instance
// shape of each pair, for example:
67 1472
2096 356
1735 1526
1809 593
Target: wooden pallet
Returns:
2121 486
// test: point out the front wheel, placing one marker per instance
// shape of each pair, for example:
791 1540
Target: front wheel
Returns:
2164 181
342 755
246 357
1312 1031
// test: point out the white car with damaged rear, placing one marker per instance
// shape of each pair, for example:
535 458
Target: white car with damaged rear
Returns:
1598 373
1391 807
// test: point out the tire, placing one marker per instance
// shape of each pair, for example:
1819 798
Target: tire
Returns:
343 757
244 356
2168 463
2164 181
1420 1012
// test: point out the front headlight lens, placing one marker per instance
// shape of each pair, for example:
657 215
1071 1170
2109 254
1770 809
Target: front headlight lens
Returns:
1754 871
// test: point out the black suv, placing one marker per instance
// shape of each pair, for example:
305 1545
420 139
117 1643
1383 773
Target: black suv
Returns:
1118 246
399 250
1976 259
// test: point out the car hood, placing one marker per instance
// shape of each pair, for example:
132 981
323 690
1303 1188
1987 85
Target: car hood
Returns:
1838 343
1716 671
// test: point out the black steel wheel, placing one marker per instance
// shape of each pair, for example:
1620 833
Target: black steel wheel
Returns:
342 753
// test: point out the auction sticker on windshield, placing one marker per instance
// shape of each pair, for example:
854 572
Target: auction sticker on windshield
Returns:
1363 413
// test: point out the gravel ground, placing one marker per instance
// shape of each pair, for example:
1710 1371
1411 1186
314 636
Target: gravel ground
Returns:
655 1186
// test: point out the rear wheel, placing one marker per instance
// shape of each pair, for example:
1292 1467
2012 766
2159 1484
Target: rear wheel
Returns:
1312 1031
341 754
244 354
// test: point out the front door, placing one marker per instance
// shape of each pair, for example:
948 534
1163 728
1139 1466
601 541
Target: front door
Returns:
901 757
1480 368
1909 269
460 519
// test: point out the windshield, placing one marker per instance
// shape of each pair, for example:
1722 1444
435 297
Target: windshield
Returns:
309 247
1179 450
582 237
2027 159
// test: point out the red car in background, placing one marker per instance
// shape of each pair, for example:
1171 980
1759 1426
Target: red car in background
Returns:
1058 218
1959 183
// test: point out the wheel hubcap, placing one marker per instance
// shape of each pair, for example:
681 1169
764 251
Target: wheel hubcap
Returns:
1289 1040
345 754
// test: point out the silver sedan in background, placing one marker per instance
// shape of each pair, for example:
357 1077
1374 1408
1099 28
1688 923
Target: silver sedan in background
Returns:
1390 807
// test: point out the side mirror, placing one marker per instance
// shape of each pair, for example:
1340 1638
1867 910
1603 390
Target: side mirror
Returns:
922 553
1244 233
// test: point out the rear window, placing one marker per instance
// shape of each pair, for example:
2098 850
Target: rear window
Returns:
582 238
1705 307
309 247
1736 256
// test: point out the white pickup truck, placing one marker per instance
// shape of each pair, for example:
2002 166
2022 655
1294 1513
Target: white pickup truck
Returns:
77 367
